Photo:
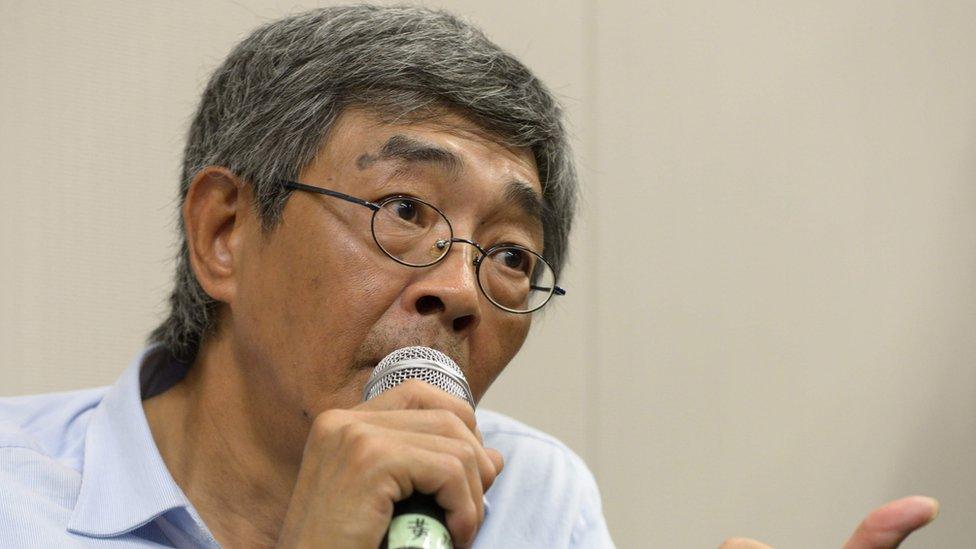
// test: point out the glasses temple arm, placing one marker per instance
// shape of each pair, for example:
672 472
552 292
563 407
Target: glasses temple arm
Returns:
342 196
556 290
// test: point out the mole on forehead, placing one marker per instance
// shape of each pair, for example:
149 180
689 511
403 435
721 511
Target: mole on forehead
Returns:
365 160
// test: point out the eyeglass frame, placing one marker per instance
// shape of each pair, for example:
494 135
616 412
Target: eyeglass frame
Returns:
375 207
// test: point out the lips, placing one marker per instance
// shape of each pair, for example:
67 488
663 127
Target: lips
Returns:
367 364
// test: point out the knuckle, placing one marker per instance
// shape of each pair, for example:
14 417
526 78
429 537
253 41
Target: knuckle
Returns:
465 452
445 418
414 388
356 438
414 384
465 415
414 393
461 409
329 422
454 467
458 423
364 452
453 423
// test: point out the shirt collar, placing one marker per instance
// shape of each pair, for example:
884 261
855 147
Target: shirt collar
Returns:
124 482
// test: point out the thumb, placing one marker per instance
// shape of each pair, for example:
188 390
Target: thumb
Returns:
887 526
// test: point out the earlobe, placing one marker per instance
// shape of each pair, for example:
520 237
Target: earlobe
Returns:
213 212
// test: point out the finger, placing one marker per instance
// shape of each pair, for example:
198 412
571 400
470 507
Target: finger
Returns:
743 543
448 425
497 458
444 475
434 422
463 452
887 526
414 394
400 463
437 421
440 422
483 467
430 420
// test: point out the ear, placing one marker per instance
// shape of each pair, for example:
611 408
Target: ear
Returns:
215 214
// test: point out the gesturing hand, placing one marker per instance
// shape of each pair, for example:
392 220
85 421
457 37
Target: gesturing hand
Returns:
884 528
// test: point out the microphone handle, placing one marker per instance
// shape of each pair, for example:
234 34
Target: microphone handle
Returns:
418 523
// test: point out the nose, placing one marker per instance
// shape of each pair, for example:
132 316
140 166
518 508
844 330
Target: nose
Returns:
448 291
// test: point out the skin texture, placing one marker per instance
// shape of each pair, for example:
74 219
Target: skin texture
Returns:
307 310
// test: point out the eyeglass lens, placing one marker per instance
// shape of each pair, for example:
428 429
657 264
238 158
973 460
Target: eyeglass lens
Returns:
414 233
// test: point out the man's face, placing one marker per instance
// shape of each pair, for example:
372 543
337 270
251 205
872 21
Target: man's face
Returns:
318 304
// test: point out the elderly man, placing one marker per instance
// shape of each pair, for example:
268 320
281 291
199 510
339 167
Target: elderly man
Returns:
356 180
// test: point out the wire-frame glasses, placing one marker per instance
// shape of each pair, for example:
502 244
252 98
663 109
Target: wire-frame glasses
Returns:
417 234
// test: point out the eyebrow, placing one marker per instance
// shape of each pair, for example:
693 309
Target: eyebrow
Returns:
412 150
524 196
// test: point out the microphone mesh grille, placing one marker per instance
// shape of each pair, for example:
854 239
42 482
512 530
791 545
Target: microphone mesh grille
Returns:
423 363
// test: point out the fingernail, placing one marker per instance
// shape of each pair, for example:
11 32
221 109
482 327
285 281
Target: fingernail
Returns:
935 503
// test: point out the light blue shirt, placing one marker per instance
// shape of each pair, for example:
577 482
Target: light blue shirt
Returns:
81 469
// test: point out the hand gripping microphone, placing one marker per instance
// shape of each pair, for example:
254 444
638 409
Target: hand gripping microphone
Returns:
418 521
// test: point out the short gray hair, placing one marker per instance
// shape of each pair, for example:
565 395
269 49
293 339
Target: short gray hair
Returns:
269 107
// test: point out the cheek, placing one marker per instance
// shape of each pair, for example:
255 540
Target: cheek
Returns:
336 295
492 350
306 302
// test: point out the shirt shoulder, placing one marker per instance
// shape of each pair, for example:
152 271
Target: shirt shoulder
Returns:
50 425
42 439
524 446
498 424
545 495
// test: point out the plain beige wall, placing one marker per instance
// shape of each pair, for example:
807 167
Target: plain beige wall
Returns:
771 324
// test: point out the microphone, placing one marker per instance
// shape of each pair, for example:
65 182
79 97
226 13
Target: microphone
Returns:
418 521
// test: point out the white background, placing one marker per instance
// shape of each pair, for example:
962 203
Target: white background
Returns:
771 322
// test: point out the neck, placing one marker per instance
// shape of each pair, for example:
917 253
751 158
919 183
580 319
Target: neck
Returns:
237 470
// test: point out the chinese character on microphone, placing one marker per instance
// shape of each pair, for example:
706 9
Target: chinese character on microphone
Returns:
419 528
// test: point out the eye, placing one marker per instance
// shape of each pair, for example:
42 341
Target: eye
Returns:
405 209
514 259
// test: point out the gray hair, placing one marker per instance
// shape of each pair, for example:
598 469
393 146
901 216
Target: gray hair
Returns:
269 107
